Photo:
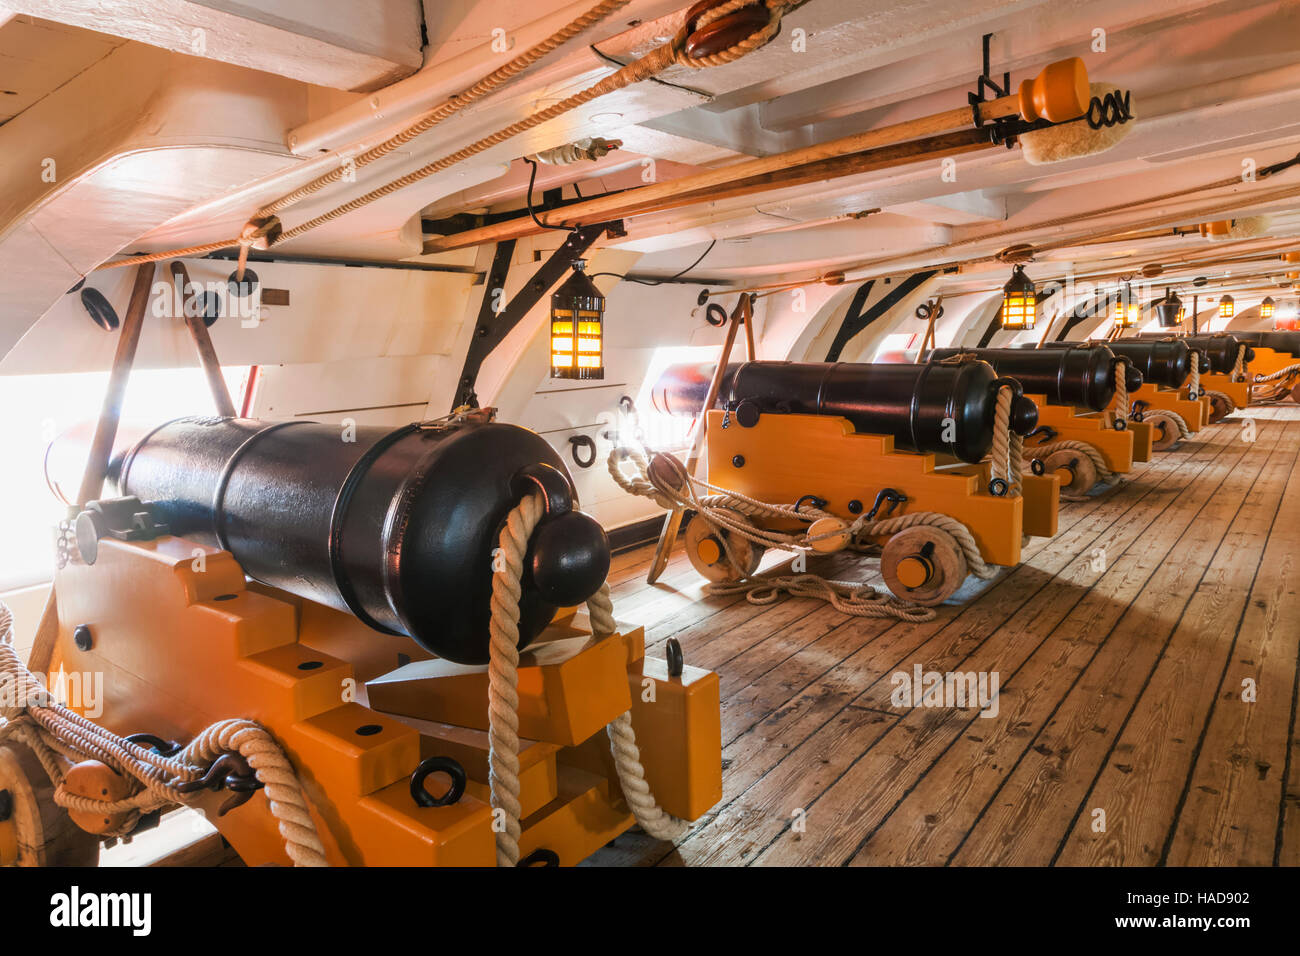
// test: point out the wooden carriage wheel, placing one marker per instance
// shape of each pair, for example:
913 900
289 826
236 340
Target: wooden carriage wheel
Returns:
923 565
704 548
1077 471
1221 407
1165 434
42 833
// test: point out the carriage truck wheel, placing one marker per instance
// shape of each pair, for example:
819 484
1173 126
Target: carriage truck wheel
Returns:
708 555
34 830
923 565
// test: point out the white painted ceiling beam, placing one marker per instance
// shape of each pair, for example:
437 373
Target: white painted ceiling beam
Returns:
329 44
1024 41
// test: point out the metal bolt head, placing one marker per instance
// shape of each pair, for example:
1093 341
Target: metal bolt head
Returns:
82 638
738 461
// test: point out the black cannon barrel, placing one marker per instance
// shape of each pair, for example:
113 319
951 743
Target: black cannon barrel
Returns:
396 527
1082 376
1220 350
1277 341
1167 362
913 403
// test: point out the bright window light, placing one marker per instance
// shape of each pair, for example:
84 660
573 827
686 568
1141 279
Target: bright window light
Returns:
897 342
671 432
48 405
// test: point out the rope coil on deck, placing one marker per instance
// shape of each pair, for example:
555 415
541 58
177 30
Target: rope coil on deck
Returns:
59 737
503 697
643 68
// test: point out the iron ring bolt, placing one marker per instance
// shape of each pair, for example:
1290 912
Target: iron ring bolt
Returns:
582 441
430 765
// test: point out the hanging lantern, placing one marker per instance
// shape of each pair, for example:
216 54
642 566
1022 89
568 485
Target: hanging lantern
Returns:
1169 310
577 327
1126 310
1019 303
1227 307
1266 308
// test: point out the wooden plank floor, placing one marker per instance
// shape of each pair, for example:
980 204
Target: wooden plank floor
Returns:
1147 709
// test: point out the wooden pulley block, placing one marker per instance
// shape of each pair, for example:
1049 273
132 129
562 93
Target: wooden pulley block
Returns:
833 526
723 33
1077 472
98 781
667 471
35 831
923 565
708 554
1165 434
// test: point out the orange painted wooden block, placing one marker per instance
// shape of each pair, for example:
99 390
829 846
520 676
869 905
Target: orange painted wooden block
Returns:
1096 429
569 689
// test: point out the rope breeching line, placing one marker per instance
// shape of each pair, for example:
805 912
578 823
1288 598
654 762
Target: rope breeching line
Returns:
1123 405
1194 380
503 697
1280 373
60 737
1260 393
1008 446
1238 373
264 231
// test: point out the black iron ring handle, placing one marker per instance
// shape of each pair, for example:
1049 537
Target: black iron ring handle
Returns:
998 488
163 748
673 653
1037 467
715 315
541 857
582 441
547 479
816 502
1017 390
430 765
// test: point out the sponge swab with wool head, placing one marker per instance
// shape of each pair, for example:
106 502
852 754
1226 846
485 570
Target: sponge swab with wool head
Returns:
1074 139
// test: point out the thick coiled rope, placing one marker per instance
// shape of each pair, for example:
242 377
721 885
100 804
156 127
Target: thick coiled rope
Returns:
503 696
59 737
1194 380
643 68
